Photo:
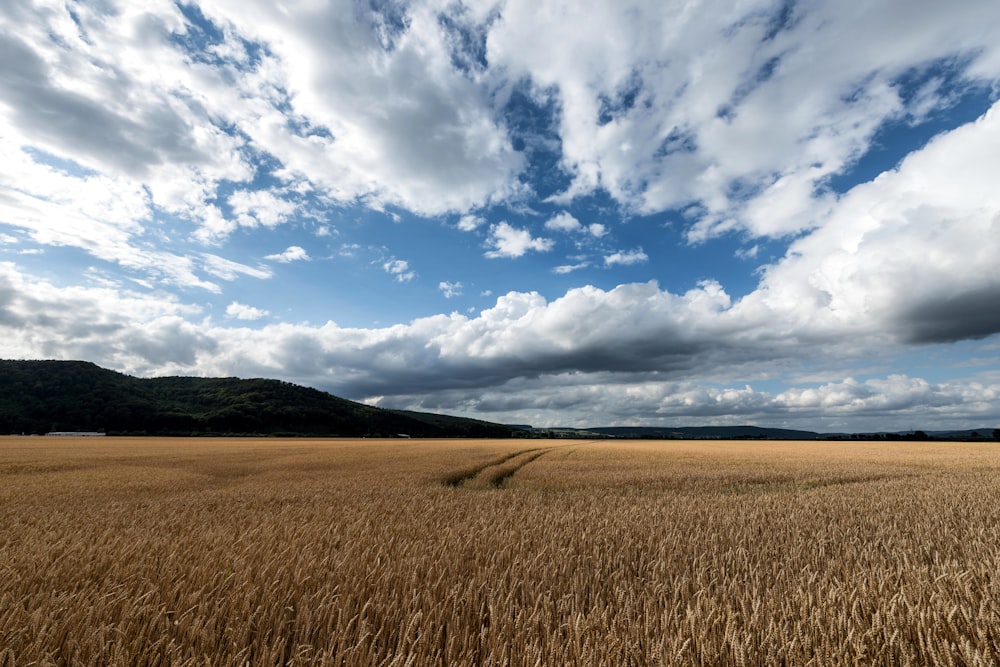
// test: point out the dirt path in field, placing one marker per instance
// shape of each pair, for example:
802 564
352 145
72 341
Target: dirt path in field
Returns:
495 474
498 477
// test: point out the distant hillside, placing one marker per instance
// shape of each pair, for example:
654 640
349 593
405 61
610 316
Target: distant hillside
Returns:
705 432
46 396
762 433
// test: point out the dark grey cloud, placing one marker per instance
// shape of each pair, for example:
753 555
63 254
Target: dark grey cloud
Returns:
947 319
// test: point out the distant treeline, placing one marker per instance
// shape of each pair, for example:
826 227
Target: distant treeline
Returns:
970 435
758 433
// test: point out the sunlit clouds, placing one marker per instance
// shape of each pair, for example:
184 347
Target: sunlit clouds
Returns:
767 212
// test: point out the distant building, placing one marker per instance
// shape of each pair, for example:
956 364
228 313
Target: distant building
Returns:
77 434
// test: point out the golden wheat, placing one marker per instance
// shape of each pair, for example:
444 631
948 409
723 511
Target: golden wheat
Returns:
336 552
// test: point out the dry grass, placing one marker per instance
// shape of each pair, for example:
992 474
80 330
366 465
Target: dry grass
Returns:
229 552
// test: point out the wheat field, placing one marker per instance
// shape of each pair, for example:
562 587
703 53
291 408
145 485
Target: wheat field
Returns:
401 552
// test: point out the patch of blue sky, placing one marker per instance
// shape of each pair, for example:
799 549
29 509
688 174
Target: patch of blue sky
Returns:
678 266
466 40
61 266
950 362
623 101
678 140
532 120
389 20
202 38
65 165
783 19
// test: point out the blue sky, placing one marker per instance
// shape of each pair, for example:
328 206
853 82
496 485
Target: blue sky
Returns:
579 214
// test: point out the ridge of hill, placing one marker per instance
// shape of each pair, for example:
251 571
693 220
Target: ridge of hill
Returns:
747 432
706 432
52 396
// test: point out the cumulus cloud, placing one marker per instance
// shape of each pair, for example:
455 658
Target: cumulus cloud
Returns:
626 257
400 270
563 269
290 254
623 355
597 230
641 110
102 95
260 207
244 312
507 241
115 328
565 222
652 117
450 289
469 222
911 254
893 403
435 144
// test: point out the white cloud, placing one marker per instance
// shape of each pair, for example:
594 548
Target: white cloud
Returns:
563 222
894 402
563 269
113 112
400 270
112 327
260 207
470 222
290 254
227 269
656 119
59 224
243 312
450 289
644 111
626 257
910 254
591 356
434 145
508 241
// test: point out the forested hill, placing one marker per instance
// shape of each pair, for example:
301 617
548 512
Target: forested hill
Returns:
46 396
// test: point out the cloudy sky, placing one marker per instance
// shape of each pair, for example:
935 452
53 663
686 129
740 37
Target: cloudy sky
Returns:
598 212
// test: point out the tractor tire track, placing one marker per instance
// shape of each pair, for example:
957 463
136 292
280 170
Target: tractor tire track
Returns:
501 477
496 473
462 477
